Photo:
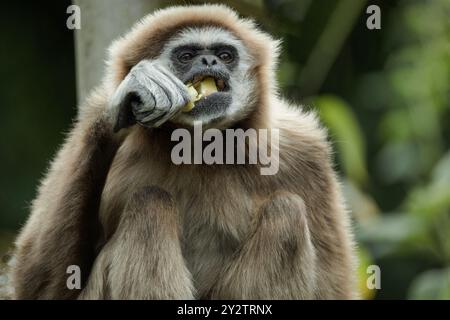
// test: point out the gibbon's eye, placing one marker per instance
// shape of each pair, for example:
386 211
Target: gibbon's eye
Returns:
226 56
186 56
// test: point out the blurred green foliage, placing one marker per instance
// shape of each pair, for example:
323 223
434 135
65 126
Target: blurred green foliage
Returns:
383 94
37 99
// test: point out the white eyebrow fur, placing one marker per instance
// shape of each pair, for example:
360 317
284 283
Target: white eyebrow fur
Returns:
205 36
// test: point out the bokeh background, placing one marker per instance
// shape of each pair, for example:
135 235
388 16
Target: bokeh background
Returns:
384 95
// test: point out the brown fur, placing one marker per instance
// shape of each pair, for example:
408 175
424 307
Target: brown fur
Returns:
219 231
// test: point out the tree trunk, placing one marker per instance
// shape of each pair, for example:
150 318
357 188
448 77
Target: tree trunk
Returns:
101 22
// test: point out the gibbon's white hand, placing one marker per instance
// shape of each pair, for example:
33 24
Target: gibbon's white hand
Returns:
149 95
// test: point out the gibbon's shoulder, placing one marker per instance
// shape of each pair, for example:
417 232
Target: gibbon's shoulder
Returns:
297 125
302 137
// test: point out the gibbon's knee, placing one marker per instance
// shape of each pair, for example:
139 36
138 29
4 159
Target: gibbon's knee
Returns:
277 260
282 228
283 219
143 259
151 209
290 205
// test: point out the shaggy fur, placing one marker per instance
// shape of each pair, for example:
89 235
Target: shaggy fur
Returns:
141 227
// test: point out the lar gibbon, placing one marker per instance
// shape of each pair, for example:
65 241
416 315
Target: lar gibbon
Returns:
141 227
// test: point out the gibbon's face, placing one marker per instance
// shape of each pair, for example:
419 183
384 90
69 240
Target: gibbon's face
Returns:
210 52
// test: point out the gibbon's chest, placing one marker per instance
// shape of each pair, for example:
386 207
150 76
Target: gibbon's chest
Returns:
216 207
216 211
216 203
213 203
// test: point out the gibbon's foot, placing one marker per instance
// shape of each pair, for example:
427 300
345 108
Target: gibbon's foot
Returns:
277 260
143 258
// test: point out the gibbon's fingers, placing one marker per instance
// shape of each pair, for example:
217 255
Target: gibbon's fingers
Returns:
149 95
169 93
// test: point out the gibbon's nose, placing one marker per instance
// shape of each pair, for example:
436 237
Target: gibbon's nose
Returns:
208 60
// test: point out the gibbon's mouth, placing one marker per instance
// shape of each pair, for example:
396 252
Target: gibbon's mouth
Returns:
220 80
220 83
213 105
213 98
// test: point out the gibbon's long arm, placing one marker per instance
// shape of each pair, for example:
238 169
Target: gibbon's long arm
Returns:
143 259
69 198
67 203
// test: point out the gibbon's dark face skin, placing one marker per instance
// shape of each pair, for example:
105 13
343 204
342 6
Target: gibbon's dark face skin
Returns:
194 62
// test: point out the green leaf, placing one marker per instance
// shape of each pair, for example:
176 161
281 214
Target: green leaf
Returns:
392 229
433 199
338 116
431 285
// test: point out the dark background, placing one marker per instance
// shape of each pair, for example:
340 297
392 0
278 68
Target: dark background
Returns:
384 97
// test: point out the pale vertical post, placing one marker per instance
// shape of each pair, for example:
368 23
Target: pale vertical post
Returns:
101 22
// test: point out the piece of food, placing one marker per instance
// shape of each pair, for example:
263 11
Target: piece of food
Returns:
199 90
207 86
193 94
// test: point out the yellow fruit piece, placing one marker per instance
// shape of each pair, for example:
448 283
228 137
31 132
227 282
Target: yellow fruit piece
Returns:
188 107
193 94
207 86
198 91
